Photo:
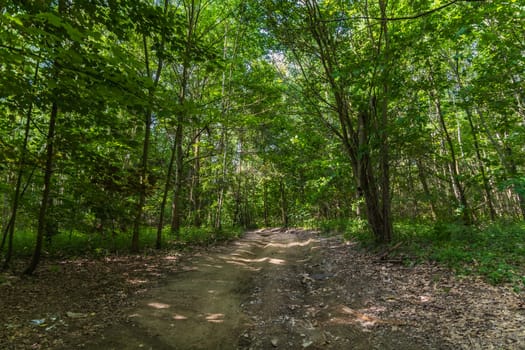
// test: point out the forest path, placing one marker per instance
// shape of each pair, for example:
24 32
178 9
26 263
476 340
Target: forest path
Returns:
270 289
292 289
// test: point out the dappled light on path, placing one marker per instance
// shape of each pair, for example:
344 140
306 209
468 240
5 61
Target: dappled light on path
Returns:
244 265
265 259
135 281
291 244
157 305
215 318
178 317
364 318
267 290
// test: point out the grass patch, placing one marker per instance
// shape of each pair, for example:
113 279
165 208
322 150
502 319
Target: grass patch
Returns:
495 251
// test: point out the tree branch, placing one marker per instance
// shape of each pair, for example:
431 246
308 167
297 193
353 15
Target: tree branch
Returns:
402 18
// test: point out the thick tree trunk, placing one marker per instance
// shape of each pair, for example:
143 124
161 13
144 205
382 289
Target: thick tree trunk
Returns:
48 171
380 225
355 133
512 171
384 151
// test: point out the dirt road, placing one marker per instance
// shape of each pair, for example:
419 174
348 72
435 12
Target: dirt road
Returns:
291 289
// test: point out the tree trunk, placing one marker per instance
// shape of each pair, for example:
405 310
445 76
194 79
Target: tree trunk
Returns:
424 184
373 210
459 191
195 196
16 197
42 214
7 227
265 204
384 151
192 16
355 133
144 172
176 207
481 163
284 204
238 211
143 186
222 182
160 224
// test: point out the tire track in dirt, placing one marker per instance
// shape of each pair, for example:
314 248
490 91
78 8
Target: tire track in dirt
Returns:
273 288
302 303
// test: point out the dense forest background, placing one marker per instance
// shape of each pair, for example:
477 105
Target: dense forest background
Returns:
143 121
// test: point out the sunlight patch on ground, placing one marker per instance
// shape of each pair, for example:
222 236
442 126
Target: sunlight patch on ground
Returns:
157 305
246 266
425 298
243 251
214 266
189 268
178 317
270 260
353 316
171 257
363 317
135 281
215 318
291 244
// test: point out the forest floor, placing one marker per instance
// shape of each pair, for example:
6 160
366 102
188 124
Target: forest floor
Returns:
271 289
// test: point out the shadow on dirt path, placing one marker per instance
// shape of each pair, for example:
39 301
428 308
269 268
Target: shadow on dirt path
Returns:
247 295
292 289
198 307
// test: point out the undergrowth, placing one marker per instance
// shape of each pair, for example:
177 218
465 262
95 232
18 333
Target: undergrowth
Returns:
74 243
495 251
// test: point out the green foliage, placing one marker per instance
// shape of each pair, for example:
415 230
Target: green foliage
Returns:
261 127
353 228
496 251
75 243
205 236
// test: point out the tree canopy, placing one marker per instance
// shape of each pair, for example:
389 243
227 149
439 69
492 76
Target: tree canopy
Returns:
121 117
